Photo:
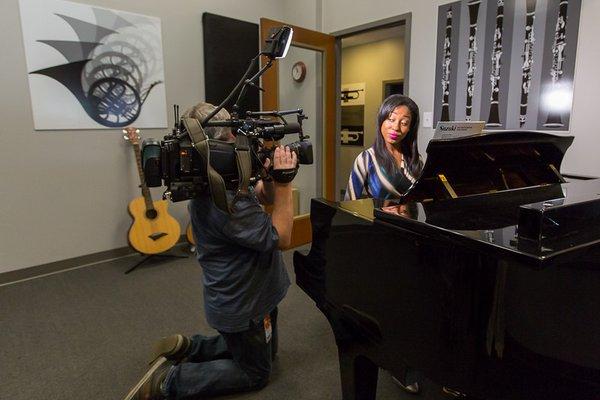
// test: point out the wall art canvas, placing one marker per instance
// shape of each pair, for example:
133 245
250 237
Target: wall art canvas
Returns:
509 63
91 67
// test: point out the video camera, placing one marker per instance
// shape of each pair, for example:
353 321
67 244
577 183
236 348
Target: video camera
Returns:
186 165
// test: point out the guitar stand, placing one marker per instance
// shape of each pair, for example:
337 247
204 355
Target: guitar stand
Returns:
148 257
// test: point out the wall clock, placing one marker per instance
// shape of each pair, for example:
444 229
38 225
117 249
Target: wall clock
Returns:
299 71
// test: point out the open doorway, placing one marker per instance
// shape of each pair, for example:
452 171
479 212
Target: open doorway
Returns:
372 64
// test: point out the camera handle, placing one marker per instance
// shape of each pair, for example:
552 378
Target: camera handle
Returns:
241 85
215 180
250 82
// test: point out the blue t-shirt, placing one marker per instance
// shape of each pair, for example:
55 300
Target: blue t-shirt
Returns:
244 273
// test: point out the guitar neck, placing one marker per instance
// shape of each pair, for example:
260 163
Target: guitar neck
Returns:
145 190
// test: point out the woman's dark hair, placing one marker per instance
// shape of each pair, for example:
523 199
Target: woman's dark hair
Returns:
408 145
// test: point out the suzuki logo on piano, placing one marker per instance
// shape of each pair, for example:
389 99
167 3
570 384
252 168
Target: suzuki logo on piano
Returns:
448 128
455 129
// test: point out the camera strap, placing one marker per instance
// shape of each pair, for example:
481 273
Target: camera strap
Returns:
243 160
244 163
215 180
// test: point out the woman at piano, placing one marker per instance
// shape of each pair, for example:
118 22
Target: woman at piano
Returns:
392 164
388 168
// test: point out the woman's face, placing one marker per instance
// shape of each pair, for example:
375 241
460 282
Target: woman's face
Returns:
396 126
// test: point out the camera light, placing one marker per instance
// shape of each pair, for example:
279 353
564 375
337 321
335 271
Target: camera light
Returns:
278 43
558 98
288 42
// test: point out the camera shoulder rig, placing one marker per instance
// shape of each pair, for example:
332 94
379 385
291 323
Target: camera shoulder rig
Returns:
215 180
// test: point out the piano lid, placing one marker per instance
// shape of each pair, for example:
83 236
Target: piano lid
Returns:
489 163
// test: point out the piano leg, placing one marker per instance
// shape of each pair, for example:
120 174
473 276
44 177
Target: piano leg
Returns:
359 375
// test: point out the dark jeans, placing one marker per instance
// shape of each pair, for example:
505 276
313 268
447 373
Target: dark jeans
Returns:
224 364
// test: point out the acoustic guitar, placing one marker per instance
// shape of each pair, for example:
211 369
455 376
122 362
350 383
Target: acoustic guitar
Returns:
153 230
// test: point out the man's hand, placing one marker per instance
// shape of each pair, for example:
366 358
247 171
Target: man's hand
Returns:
267 164
284 165
284 158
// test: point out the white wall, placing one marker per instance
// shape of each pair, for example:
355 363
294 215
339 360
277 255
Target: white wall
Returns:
65 193
303 13
582 158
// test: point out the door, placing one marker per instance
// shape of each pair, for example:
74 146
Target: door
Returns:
314 92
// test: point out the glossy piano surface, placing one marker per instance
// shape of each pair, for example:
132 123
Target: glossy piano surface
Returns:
447 286
491 221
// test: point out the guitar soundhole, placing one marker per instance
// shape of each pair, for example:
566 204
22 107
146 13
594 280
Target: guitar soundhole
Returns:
151 214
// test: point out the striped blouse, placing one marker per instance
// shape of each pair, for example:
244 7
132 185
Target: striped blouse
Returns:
369 179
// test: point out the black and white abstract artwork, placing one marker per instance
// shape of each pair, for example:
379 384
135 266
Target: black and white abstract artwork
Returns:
509 63
92 67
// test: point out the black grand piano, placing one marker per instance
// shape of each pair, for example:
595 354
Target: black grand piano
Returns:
485 277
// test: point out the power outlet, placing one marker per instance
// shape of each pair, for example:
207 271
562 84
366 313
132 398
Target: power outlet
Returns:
428 119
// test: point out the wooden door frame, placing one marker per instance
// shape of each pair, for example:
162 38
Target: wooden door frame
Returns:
324 44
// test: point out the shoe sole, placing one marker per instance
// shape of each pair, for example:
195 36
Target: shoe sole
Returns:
159 361
413 388
453 393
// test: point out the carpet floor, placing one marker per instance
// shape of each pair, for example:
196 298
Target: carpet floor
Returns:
86 333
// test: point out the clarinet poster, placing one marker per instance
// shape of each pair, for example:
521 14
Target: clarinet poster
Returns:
92 67
509 63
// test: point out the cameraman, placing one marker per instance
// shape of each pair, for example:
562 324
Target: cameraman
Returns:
244 281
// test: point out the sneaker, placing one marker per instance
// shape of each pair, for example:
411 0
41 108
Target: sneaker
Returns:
174 348
453 393
412 388
149 387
